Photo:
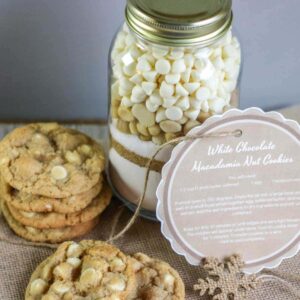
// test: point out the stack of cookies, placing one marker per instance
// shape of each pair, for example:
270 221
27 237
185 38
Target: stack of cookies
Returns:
96 270
52 183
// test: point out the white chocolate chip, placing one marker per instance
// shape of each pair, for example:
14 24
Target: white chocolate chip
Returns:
73 157
178 66
203 53
137 79
150 76
217 105
90 278
183 103
205 67
160 115
129 70
127 59
149 57
59 173
166 90
212 83
203 93
74 250
189 60
218 63
181 91
229 51
46 272
192 113
149 87
27 214
129 40
159 52
151 106
205 106
143 65
135 52
63 271
176 53
126 102
126 84
60 288
191 87
168 102
74 261
168 280
195 103
86 149
117 284
174 113
156 99
172 78
186 76
163 66
117 264
196 75
38 287
138 95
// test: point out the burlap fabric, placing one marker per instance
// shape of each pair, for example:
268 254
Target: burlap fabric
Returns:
18 261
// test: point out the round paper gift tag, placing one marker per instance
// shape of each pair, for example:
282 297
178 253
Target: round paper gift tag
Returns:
224 195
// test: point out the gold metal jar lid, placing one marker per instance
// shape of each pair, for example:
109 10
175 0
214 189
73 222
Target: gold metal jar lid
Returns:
179 22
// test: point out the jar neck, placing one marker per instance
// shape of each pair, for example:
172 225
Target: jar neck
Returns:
144 44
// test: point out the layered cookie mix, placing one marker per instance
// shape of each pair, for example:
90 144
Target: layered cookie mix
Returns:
96 270
159 93
52 186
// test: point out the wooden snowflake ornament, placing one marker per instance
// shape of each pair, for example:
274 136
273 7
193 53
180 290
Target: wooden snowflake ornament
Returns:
225 281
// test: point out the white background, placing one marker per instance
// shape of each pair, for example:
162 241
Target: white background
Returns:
53 55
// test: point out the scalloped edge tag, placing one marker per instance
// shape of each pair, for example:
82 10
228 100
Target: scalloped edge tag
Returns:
176 225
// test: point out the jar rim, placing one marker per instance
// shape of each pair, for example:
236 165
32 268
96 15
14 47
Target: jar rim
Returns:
184 23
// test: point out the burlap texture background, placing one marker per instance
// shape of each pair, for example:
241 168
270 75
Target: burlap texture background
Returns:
17 261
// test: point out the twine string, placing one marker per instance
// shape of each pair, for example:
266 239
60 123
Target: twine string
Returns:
235 133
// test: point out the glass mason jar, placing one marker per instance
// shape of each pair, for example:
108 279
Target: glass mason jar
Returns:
173 64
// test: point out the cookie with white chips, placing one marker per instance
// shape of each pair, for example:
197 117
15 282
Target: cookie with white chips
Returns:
156 279
50 160
87 270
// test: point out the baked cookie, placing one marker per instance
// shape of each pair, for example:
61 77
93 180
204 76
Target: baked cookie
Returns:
46 235
50 160
156 280
35 203
55 220
87 270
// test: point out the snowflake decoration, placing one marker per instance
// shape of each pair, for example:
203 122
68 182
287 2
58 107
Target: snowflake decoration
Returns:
225 281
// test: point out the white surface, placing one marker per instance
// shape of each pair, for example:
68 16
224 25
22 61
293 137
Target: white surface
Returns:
130 180
53 55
